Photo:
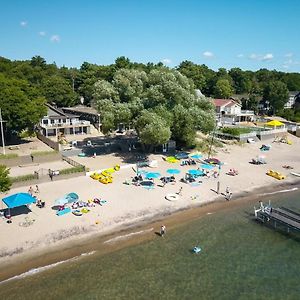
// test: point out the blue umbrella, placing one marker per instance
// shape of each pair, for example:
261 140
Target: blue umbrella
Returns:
182 155
141 172
196 156
208 167
72 197
195 172
19 199
61 201
173 171
152 175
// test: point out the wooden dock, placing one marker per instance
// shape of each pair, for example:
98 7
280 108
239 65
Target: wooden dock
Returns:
279 217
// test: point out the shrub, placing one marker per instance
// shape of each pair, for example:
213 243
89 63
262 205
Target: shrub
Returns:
236 131
23 178
8 156
72 170
41 153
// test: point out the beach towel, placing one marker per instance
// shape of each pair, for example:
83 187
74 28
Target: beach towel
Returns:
64 211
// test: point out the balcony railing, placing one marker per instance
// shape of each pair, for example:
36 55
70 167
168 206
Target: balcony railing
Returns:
66 125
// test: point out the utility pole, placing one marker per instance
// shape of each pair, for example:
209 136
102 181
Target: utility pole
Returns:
2 134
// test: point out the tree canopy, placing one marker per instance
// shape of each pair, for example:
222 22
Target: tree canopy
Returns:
160 105
26 85
5 182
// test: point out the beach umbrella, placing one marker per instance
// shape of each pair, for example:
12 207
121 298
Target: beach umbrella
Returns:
212 160
72 197
196 156
207 167
274 123
173 171
141 172
61 201
18 199
152 175
195 172
182 155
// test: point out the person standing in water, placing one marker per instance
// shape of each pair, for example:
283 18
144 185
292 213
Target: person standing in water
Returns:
162 230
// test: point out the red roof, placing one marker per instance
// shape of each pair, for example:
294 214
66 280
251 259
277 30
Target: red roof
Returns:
224 102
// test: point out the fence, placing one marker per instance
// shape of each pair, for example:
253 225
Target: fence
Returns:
261 134
27 159
49 142
242 137
73 162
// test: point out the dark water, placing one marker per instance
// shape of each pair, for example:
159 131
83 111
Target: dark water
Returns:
240 259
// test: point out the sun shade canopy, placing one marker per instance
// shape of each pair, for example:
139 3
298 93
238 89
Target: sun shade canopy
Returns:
274 123
17 200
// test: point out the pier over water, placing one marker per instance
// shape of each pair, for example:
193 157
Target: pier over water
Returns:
281 218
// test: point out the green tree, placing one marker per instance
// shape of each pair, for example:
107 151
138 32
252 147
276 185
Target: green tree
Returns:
59 91
123 62
241 82
22 107
223 89
5 182
277 94
152 129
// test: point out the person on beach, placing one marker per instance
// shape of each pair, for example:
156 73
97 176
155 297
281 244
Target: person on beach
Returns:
228 194
37 190
30 191
162 230
51 174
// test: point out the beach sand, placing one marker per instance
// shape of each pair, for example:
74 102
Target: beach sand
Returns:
129 205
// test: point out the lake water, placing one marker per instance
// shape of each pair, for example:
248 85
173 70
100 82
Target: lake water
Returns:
240 259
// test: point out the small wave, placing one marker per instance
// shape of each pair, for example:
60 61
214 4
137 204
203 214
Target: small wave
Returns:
281 191
126 236
44 268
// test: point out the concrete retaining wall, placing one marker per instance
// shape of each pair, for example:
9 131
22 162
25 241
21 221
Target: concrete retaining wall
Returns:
26 160
43 179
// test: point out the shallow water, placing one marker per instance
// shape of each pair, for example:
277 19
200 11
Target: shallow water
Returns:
240 259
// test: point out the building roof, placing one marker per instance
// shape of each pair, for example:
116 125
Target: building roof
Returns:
82 109
293 93
59 112
225 102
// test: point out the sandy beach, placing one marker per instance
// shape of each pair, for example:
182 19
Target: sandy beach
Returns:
129 205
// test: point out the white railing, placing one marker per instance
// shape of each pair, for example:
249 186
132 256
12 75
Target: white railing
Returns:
272 131
57 125
249 112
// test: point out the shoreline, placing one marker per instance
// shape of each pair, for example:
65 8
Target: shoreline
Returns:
120 236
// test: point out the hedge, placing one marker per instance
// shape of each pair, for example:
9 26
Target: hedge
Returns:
9 156
23 178
72 170
236 131
41 153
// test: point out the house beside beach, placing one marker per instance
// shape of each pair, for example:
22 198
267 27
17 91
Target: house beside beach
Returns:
57 122
292 99
229 111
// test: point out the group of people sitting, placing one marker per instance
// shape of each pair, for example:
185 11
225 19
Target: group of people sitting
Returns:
188 162
166 180
34 193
